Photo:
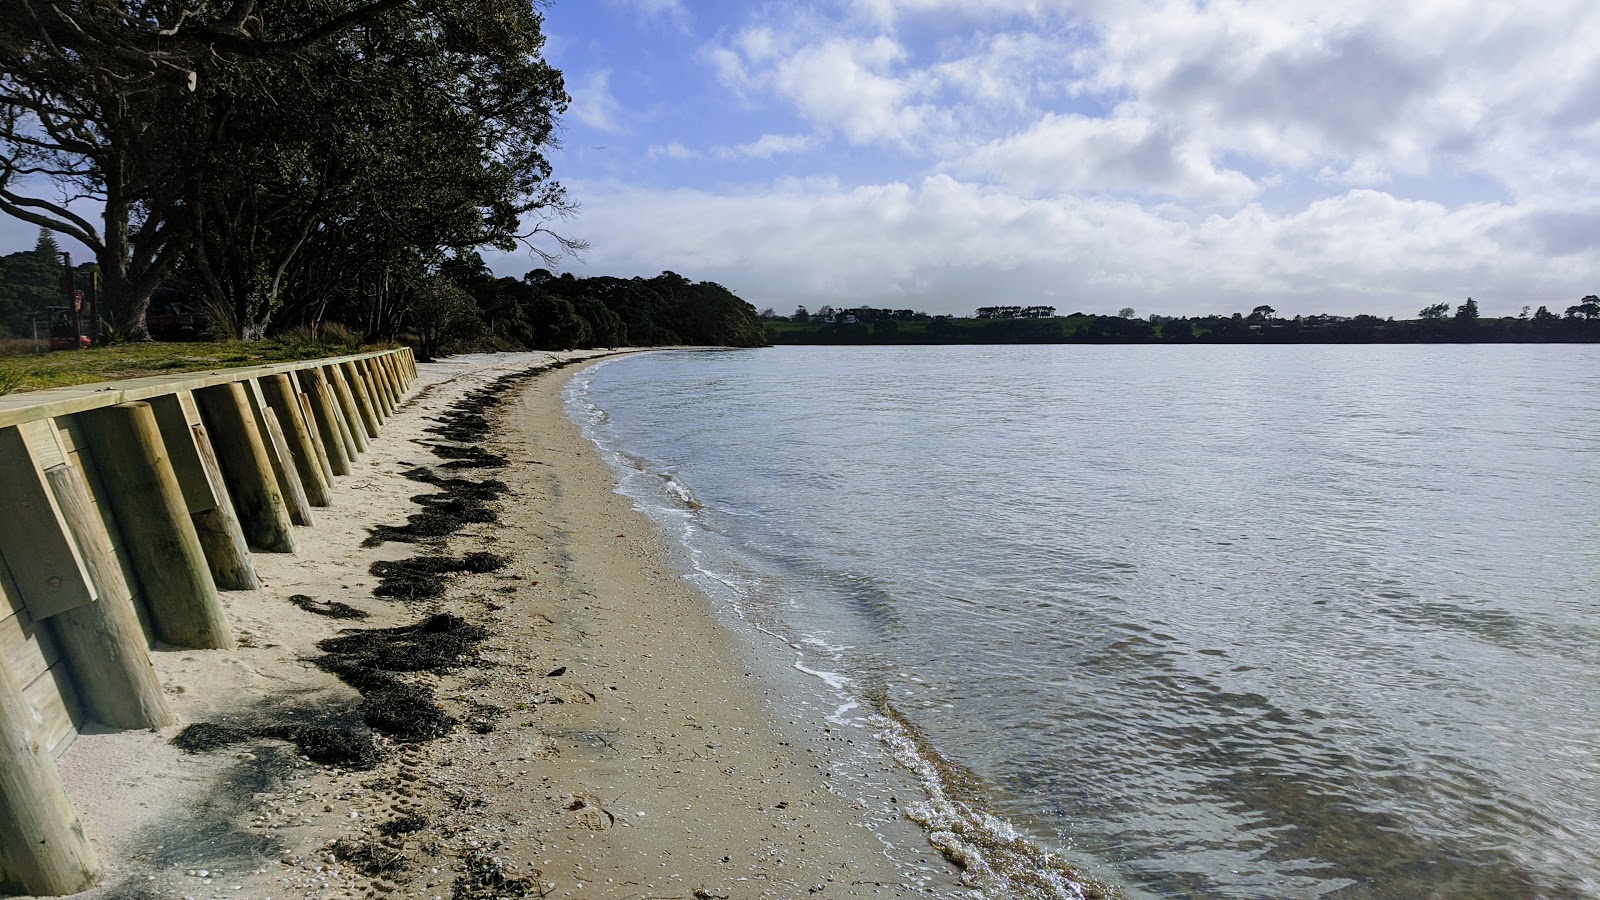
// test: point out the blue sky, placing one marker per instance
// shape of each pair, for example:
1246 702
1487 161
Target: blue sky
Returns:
1177 157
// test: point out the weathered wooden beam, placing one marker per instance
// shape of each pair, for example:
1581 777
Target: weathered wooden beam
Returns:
43 849
242 455
351 408
397 391
189 446
283 470
325 412
50 572
227 549
380 398
299 380
160 537
102 641
364 402
284 402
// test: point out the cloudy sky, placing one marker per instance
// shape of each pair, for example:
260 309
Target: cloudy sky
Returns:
1366 155
1202 156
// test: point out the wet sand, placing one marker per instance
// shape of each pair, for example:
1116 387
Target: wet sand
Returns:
613 742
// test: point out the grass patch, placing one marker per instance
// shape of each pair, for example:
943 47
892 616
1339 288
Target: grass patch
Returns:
23 370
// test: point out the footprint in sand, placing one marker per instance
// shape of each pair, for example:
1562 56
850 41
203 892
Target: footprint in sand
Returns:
586 812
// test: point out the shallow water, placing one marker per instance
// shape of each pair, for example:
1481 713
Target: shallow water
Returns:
1244 622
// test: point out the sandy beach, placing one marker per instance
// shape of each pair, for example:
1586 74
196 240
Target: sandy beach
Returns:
580 725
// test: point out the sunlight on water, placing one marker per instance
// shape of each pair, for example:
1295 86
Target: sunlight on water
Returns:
1247 622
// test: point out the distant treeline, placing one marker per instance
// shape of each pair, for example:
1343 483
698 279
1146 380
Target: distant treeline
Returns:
562 312
462 306
1579 323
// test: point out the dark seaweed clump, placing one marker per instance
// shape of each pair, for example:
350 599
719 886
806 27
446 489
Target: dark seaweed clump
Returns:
333 609
372 860
399 825
459 502
370 660
472 457
347 748
483 878
422 577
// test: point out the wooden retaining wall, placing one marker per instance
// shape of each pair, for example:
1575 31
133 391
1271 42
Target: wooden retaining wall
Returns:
124 508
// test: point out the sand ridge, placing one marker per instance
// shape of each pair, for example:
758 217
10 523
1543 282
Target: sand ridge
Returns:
611 743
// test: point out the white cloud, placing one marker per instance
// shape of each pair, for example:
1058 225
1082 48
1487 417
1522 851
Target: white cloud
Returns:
1123 153
944 245
768 146
594 105
672 150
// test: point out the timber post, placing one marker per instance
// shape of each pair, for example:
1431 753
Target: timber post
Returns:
242 455
284 402
211 510
368 408
380 397
161 540
325 412
356 429
277 446
103 643
42 846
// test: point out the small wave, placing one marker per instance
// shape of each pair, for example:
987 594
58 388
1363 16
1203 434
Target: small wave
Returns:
995 858
680 493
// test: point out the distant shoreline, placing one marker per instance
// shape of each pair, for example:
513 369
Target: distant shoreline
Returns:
1091 329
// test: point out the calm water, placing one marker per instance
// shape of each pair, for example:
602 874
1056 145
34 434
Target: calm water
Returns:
1239 622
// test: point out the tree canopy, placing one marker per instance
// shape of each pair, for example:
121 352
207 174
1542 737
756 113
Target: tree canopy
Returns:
279 156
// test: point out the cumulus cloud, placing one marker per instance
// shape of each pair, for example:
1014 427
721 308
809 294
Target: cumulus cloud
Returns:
768 146
1125 153
1171 155
945 245
594 105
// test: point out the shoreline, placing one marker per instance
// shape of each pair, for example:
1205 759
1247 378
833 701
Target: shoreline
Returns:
613 743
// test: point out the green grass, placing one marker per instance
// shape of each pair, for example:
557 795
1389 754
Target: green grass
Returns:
21 369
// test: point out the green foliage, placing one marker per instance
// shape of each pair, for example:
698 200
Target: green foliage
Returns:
303 155
29 281
564 312
441 311
1581 324
1435 312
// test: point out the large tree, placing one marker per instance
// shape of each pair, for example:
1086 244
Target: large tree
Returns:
399 141
237 137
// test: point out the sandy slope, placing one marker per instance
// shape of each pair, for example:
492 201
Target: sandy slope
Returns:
622 748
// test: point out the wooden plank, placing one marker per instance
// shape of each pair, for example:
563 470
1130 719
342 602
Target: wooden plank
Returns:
181 452
32 406
283 468
42 842
84 460
55 708
44 560
26 648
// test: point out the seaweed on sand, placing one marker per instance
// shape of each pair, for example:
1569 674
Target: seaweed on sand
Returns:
422 577
345 747
370 660
458 502
333 609
484 878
